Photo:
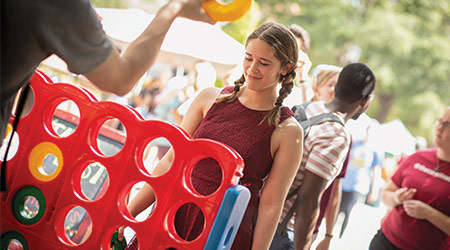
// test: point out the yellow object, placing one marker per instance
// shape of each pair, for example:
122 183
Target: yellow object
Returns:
226 12
8 130
36 159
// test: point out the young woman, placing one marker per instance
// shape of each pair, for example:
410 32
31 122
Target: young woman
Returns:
250 118
324 82
419 195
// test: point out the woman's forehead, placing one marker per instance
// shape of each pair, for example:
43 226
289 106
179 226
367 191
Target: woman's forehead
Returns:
261 49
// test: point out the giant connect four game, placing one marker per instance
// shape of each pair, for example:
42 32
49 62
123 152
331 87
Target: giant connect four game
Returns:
70 190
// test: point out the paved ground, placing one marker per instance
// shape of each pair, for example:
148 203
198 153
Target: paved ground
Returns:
362 226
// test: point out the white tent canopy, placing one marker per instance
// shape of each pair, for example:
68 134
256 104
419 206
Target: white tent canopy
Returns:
393 137
186 42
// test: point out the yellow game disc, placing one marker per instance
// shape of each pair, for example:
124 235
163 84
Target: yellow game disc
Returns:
36 159
227 12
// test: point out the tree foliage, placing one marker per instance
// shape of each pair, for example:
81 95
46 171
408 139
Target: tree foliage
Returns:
109 3
406 43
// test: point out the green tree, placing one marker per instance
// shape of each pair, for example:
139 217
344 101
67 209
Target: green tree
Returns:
404 42
110 3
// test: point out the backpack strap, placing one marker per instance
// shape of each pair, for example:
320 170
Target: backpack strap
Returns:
283 225
325 117
306 123
299 111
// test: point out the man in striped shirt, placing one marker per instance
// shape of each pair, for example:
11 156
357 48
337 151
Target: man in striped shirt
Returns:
325 149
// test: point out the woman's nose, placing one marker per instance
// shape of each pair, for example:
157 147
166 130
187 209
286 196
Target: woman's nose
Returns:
254 67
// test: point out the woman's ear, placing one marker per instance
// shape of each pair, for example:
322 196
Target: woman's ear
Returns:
286 69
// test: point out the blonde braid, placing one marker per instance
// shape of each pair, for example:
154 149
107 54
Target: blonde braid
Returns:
233 95
273 117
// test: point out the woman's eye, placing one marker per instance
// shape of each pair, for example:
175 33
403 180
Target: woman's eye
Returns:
248 59
264 64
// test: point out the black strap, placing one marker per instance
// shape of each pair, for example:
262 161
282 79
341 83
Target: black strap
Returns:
20 105
281 229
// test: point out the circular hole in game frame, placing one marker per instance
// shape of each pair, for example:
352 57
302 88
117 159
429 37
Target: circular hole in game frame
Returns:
129 237
189 211
206 176
77 225
14 143
131 194
15 245
49 165
94 181
13 241
29 205
29 102
153 153
65 118
111 137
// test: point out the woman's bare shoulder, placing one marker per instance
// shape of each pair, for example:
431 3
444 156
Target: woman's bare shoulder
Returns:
290 128
210 93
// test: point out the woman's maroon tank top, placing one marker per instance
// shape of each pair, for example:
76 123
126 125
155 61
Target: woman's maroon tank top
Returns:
240 128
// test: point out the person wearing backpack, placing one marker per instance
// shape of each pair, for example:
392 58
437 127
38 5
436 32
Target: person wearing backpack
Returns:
325 148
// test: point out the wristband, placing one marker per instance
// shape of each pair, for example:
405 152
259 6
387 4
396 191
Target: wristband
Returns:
329 235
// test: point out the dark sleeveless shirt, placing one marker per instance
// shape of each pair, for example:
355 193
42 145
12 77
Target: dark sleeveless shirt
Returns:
239 127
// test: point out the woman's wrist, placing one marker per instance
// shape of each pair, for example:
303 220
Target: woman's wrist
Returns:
329 236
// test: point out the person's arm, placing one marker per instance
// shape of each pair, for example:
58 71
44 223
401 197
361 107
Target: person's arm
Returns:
284 168
330 216
146 196
119 72
190 123
420 210
393 195
307 210
375 185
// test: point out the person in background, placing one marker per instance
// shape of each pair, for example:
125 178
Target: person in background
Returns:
71 29
324 82
302 89
358 183
325 149
419 196
302 36
249 117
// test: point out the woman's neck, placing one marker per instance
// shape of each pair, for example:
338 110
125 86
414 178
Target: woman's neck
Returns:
257 100
443 155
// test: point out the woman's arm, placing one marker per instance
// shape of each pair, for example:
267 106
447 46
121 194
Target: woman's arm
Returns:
190 123
288 138
393 195
330 215
193 118
420 210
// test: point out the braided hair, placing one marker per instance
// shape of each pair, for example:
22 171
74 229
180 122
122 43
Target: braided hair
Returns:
283 43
